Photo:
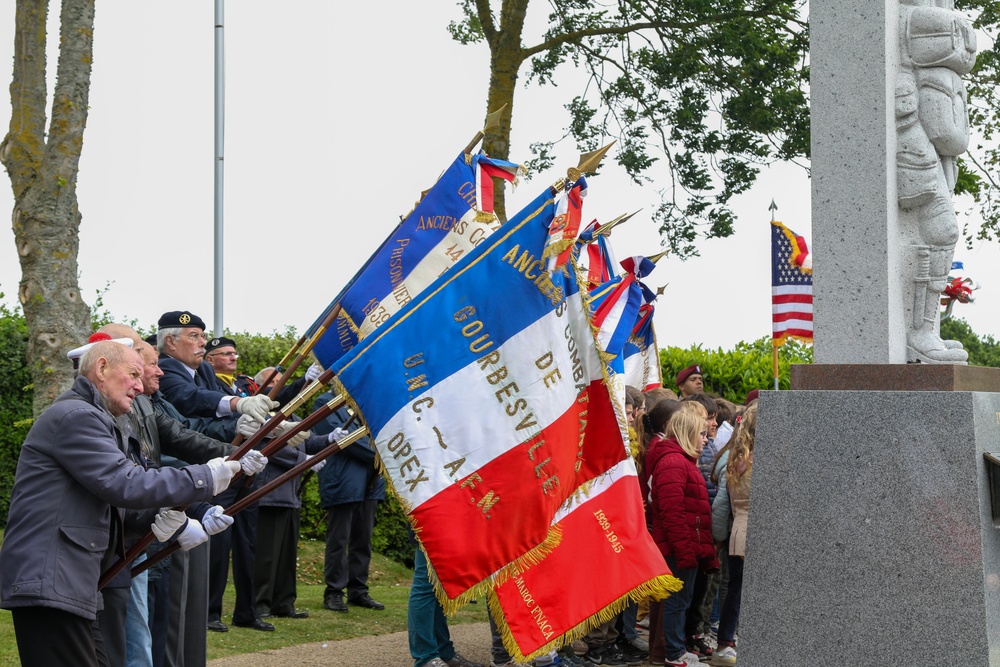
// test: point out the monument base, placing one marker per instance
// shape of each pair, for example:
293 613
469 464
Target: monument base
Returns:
871 539
895 377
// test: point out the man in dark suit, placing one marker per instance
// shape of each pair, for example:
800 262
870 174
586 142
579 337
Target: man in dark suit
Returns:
190 384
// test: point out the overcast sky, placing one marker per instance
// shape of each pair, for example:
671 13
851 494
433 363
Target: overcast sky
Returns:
336 119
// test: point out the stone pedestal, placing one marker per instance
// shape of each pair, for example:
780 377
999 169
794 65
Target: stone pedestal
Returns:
870 538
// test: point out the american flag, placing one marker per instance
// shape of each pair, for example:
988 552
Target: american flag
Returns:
791 286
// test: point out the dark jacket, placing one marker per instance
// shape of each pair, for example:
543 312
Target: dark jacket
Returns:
681 514
217 428
350 475
196 396
72 469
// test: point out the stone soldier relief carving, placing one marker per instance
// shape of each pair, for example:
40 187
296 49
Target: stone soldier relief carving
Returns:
937 46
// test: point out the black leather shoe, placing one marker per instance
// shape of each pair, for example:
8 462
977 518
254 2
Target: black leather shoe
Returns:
335 603
367 602
217 626
293 614
256 624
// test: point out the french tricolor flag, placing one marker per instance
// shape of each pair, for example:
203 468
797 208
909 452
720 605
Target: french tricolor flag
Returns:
487 401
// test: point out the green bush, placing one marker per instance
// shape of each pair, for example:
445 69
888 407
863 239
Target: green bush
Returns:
732 374
983 351
15 398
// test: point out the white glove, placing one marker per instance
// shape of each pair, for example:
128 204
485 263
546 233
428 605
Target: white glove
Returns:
222 473
313 372
317 466
297 439
259 406
216 520
337 434
192 535
166 523
247 425
252 463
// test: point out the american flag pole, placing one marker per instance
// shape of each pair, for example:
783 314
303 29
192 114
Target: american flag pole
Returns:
774 347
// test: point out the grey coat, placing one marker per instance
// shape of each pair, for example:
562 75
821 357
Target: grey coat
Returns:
71 470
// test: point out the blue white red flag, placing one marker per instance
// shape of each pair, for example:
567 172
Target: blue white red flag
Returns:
565 226
611 556
791 286
596 260
487 402
615 305
449 221
641 355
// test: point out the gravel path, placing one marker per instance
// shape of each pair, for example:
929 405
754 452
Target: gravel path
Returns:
471 639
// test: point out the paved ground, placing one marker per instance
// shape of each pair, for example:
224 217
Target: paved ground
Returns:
471 639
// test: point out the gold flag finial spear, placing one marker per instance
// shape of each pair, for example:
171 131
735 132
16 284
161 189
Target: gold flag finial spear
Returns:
659 290
492 122
589 162
605 229
658 256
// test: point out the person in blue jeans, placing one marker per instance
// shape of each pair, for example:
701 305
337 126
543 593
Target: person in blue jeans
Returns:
426 625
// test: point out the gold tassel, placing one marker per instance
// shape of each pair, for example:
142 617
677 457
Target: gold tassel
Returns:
656 588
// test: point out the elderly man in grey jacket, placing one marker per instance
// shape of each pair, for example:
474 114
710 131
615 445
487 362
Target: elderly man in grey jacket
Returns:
72 469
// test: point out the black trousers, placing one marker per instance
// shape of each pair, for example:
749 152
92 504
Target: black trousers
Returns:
239 539
349 529
277 554
111 621
49 637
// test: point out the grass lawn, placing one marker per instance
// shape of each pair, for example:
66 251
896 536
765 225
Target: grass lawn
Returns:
388 581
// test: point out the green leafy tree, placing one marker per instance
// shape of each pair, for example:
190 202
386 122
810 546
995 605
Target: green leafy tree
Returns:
978 167
732 374
716 89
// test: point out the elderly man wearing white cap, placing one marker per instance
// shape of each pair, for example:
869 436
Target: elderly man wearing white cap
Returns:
74 466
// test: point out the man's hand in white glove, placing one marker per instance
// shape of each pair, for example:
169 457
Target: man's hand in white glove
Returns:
216 520
166 523
252 463
316 467
336 435
259 406
313 372
247 425
297 439
192 535
222 473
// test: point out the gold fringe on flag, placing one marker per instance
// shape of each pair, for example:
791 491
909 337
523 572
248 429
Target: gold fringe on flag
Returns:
657 588
498 578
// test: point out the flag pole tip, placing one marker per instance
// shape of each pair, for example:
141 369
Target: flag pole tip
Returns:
589 162
773 206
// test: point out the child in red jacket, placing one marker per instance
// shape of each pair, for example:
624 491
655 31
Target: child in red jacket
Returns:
681 519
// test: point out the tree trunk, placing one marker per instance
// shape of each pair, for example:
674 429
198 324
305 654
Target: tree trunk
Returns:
506 57
43 172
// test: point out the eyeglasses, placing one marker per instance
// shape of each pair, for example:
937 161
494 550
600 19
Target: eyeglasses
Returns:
193 336
224 354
